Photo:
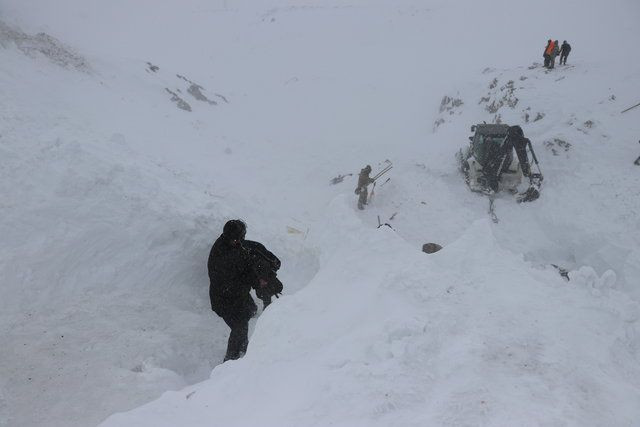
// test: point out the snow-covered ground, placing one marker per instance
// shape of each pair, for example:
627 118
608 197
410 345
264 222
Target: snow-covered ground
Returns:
131 131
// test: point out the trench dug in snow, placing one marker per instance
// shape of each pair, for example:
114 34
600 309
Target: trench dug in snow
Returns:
460 336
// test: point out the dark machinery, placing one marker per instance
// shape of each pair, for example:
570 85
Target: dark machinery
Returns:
489 164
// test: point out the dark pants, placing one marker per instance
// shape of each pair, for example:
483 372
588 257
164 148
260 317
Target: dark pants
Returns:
238 338
563 58
546 60
236 312
362 197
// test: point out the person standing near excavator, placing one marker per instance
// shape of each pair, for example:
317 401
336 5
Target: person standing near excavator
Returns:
363 182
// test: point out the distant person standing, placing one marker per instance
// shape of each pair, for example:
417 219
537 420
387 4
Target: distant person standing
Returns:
547 53
552 56
564 52
363 181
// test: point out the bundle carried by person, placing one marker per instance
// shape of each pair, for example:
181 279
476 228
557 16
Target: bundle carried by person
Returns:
266 265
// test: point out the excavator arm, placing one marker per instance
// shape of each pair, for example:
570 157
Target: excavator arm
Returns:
535 178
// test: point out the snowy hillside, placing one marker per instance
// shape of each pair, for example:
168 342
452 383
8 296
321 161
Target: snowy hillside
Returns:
131 131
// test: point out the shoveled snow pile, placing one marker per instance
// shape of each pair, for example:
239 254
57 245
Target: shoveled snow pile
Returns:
86 314
130 132
468 336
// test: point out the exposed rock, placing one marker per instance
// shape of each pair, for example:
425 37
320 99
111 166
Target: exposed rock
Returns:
222 97
449 104
195 90
437 123
557 146
431 248
180 103
152 68
43 44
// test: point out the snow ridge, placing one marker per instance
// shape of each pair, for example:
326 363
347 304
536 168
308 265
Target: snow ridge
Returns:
44 44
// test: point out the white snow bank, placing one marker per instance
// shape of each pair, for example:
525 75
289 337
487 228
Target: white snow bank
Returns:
104 300
387 335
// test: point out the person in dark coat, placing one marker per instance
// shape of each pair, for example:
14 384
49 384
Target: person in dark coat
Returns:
235 267
232 275
564 52
361 190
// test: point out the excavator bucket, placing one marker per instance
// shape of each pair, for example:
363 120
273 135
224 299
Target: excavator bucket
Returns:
530 195
533 192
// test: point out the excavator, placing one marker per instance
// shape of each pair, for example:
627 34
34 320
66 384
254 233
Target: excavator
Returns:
489 165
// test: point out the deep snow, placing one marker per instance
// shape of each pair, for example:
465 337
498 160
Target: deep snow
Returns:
111 197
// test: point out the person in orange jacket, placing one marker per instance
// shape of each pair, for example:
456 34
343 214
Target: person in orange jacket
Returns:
545 53
552 56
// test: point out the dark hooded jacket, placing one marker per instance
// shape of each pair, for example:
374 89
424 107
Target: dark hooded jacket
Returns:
234 271
232 275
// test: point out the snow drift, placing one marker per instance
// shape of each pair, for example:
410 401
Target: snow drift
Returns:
461 337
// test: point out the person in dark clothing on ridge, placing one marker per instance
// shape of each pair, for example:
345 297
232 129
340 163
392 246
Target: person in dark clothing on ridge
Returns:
233 271
564 52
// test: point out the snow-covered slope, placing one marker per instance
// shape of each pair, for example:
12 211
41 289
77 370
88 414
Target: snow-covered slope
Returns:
130 132
459 338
